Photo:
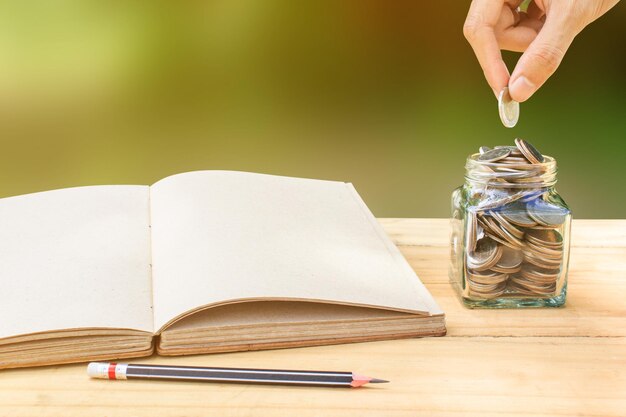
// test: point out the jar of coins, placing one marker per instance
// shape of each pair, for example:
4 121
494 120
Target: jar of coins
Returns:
510 230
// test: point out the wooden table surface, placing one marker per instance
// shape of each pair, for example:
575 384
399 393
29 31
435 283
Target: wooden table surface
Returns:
535 362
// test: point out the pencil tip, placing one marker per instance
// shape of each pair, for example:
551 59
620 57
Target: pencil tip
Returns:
360 380
378 381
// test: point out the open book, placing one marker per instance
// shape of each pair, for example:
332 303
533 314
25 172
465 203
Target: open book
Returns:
207 261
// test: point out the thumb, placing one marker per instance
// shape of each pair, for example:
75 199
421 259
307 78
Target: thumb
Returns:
543 55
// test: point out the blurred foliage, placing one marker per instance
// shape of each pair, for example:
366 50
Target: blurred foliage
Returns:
387 95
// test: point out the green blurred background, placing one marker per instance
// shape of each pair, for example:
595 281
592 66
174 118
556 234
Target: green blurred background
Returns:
385 94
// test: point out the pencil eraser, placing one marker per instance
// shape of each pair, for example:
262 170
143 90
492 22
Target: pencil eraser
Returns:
98 370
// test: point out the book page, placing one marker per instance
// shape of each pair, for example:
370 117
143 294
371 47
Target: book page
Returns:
75 258
219 236
267 313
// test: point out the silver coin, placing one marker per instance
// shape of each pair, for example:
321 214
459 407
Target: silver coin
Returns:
486 254
504 234
512 229
508 108
533 196
530 284
510 261
494 155
487 292
529 151
541 261
540 275
494 200
494 236
515 160
514 150
546 237
543 251
541 290
489 278
516 213
547 214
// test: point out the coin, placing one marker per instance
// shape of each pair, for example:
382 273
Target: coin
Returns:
531 288
546 214
545 237
484 227
487 278
540 275
510 261
512 229
531 284
519 291
515 160
533 195
508 108
516 213
487 253
544 253
501 200
530 274
513 149
494 155
529 151
503 233
541 261
501 240
487 291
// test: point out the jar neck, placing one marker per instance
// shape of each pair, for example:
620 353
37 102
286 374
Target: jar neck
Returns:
510 176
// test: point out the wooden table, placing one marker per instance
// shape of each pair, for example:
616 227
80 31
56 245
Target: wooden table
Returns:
544 362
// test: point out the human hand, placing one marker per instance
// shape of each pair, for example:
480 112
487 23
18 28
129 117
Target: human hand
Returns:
543 33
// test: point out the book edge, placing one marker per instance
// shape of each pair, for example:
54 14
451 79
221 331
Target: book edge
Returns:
289 299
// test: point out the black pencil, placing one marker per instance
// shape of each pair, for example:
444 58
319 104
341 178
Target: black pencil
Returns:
114 370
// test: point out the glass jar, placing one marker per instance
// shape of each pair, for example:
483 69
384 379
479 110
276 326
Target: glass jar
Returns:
510 234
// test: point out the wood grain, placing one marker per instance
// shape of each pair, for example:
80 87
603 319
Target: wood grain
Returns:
433 376
544 362
435 232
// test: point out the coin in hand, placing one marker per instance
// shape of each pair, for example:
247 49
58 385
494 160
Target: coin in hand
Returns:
508 108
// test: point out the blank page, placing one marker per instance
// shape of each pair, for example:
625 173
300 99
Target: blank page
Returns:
219 236
75 258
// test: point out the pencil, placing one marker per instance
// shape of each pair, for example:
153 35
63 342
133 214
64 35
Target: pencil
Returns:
112 370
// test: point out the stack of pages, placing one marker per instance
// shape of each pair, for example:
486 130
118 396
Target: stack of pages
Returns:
207 261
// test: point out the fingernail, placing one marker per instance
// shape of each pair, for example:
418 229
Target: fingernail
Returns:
521 89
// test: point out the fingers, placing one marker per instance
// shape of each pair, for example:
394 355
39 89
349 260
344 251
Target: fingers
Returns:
543 55
544 32
534 11
516 39
479 31
519 36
